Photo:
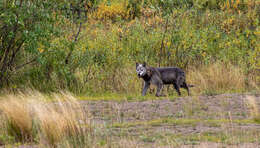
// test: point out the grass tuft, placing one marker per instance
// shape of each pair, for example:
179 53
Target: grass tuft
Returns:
18 119
217 78
33 117
253 108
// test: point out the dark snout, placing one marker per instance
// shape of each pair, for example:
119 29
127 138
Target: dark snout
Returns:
139 75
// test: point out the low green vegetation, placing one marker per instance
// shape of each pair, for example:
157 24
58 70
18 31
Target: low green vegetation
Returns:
237 137
123 97
183 122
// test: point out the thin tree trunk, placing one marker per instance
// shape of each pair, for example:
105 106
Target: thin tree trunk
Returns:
72 48
14 54
6 54
162 44
5 60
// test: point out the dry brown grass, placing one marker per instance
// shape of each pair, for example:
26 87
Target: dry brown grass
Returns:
32 116
17 117
253 107
217 78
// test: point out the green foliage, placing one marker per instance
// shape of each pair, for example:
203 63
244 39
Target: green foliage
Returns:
134 8
168 6
24 27
102 40
6 139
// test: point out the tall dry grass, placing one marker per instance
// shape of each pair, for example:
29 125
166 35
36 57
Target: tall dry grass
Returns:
18 120
219 78
32 118
253 108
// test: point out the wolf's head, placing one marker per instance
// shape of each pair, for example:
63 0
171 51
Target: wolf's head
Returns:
141 69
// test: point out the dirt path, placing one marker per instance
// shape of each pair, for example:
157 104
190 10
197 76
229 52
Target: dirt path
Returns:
225 106
203 121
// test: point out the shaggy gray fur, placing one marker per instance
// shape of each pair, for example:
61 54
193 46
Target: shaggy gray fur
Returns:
161 76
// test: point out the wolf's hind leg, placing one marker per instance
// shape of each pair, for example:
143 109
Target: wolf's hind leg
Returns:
159 88
184 85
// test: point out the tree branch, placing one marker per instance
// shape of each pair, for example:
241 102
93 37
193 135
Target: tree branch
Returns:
15 53
22 65
162 45
5 58
21 1
75 40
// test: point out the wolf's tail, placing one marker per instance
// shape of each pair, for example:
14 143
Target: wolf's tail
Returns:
190 85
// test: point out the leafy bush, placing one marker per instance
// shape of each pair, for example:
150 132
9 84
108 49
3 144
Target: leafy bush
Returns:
102 54
112 10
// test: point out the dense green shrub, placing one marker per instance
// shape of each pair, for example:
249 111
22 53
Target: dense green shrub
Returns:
102 51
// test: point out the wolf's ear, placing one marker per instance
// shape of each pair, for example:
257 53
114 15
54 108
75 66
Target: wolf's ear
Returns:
144 64
137 64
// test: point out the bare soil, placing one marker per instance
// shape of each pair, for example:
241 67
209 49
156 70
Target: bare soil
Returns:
224 106
136 119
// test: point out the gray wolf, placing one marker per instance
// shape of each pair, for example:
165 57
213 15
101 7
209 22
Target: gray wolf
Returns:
161 76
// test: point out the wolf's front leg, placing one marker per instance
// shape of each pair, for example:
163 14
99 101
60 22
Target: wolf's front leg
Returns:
146 86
